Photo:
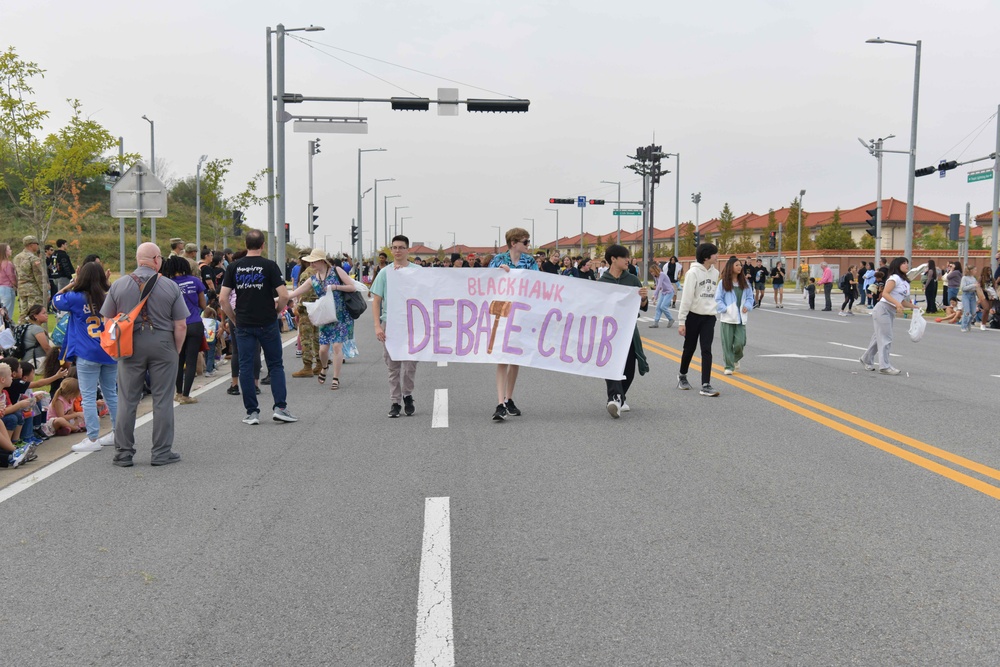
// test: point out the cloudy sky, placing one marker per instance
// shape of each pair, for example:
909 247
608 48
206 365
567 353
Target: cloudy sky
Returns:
761 99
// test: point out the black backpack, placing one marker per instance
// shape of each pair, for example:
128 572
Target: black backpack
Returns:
19 331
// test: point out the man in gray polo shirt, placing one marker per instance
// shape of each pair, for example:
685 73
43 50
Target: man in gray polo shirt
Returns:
156 343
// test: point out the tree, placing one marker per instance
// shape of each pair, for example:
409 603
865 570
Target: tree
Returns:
39 173
868 242
686 247
772 226
726 232
791 236
745 243
834 236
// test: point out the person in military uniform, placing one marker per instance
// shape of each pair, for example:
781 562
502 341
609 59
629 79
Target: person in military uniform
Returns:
308 333
32 277
191 255
176 247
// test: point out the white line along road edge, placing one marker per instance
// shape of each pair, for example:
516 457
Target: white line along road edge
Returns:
435 645
439 419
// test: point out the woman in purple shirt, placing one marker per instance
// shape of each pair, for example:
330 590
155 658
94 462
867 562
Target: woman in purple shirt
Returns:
178 269
663 294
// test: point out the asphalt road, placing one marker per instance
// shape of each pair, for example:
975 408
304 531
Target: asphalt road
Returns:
814 513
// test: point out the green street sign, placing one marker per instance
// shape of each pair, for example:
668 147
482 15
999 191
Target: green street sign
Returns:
627 211
984 175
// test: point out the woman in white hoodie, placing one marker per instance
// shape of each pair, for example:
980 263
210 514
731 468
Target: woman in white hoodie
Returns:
733 301
696 316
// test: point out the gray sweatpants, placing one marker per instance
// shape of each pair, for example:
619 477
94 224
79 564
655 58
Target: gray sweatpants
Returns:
877 353
153 351
399 371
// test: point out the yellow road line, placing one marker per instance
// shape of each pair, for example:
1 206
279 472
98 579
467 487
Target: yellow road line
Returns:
746 384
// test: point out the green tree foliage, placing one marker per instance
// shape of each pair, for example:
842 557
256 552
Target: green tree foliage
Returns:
936 239
727 234
686 247
772 226
868 242
745 243
791 236
834 236
39 172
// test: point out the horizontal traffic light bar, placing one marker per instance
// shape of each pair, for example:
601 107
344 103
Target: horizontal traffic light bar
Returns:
597 202
556 200
420 103
943 166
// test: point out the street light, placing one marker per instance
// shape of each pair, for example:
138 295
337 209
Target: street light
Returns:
452 241
557 227
619 205
361 248
375 214
276 180
152 169
385 214
532 229
497 227
677 199
798 246
910 177
197 197
325 237
395 219
405 217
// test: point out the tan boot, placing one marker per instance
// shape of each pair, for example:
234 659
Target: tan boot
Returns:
317 368
305 372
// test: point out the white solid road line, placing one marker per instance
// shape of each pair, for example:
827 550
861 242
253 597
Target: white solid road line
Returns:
442 364
855 347
440 414
806 356
435 645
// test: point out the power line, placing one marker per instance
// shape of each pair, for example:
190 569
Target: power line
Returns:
311 46
980 127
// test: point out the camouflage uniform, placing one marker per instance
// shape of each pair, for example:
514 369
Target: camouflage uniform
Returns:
308 332
32 281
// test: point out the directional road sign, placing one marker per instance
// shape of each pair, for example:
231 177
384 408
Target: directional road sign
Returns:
138 185
581 201
627 211
982 175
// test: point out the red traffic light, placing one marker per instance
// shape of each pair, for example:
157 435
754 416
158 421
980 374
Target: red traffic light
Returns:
596 202
556 200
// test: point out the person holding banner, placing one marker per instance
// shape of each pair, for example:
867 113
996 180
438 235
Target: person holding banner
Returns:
516 257
402 374
696 316
618 274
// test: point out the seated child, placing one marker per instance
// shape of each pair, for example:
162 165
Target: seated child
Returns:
63 419
952 313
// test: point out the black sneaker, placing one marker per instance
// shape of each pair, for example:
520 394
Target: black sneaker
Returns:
408 408
267 379
512 409
708 390
234 390
500 413
257 390
394 410
682 382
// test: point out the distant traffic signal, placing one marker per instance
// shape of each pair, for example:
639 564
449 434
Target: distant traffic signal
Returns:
954 222
925 171
237 223
598 202
313 216
944 166
288 234
554 200
410 103
354 234
697 239
872 222
499 106
772 241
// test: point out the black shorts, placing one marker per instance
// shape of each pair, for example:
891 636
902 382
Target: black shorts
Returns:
759 286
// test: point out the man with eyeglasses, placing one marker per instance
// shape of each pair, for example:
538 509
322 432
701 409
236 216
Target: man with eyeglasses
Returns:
156 344
402 374
517 256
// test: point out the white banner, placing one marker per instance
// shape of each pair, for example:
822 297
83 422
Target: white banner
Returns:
528 318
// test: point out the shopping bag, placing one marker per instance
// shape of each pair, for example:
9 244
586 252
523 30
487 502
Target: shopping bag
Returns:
917 326
323 310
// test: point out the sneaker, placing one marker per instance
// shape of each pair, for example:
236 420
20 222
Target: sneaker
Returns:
47 429
512 409
283 415
172 457
17 456
615 406
842 314
257 390
252 419
394 410
187 400
708 390
234 390
408 408
86 445
625 407
298 354
500 413
982 327
737 366
210 374
889 371
266 380
682 382
868 367
728 371
670 323
107 439
654 325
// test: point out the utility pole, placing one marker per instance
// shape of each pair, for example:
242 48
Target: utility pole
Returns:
647 164
696 198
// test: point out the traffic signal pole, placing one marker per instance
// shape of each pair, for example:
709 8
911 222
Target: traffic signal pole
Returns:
996 194
309 206
878 205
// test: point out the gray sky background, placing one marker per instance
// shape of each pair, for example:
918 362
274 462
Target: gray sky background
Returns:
760 98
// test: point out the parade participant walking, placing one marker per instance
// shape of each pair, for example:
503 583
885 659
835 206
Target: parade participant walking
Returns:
402 374
8 280
517 256
260 295
803 275
83 298
760 274
178 269
848 286
696 318
308 333
329 278
930 286
32 277
827 282
895 297
663 294
156 341
733 300
617 257
778 283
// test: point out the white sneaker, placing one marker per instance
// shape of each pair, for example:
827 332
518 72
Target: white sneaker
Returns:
625 407
728 371
107 439
982 327
86 445
614 407
737 366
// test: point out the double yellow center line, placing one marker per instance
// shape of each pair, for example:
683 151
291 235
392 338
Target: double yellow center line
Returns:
825 415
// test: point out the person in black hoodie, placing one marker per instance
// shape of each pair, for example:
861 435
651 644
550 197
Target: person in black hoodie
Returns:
63 266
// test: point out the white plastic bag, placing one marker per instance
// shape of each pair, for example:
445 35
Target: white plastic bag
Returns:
323 310
917 326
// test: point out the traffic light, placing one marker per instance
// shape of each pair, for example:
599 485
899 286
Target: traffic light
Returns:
954 222
872 222
499 106
354 235
312 216
925 171
555 200
772 241
944 166
642 153
598 202
410 103
237 223
697 239
288 234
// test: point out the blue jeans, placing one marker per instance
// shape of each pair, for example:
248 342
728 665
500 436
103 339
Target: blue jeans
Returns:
968 309
269 338
210 358
91 374
663 308
7 300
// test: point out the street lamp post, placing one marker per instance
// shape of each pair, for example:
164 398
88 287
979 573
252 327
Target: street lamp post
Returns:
452 241
360 249
385 214
152 170
557 227
497 227
532 228
279 172
677 200
911 176
405 217
197 198
325 237
395 219
618 203
375 214
798 245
